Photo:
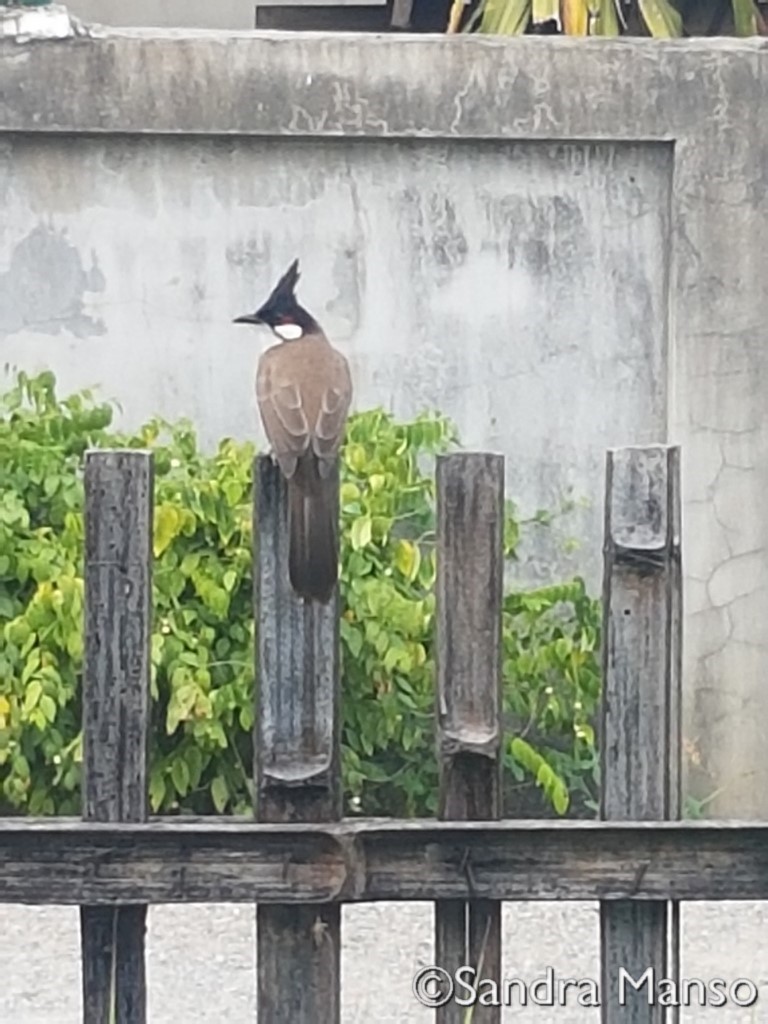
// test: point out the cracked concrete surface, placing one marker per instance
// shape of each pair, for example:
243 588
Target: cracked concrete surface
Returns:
201 961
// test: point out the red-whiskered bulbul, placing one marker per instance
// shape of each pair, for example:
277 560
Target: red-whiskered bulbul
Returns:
304 389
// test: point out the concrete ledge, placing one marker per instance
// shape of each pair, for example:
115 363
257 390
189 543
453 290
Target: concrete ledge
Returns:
217 83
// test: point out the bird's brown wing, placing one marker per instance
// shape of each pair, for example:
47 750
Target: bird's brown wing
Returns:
304 393
328 432
283 415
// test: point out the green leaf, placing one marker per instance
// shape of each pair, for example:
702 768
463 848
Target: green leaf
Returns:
31 665
194 760
355 457
745 17
550 782
32 695
559 797
563 647
230 580
172 718
361 532
662 19
233 492
505 17
180 776
190 562
352 637
156 790
219 794
349 493
48 707
606 22
408 559
38 719
166 528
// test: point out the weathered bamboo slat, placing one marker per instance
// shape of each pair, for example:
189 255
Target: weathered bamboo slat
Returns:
297 763
116 677
470 563
66 862
640 742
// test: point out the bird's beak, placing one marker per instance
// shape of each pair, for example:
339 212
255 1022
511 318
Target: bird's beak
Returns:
248 318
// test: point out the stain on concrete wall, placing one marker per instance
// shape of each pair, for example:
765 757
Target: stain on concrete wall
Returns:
44 288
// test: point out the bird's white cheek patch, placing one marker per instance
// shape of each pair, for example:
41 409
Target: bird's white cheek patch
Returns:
288 332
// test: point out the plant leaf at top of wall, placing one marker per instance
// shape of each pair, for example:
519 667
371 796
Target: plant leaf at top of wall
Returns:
662 19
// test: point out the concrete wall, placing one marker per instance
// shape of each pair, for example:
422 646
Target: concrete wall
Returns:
557 242
222 14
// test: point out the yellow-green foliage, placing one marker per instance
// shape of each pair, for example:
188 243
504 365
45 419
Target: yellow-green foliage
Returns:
663 19
203 633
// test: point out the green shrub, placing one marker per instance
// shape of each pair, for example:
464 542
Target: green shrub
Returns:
202 643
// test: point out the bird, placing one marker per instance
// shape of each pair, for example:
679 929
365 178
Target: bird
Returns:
304 392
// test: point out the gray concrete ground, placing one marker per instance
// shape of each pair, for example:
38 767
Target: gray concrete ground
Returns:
201 961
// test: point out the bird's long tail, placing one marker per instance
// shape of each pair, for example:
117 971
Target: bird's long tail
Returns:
313 556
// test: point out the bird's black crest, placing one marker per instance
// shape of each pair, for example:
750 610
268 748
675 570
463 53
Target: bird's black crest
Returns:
281 307
283 292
